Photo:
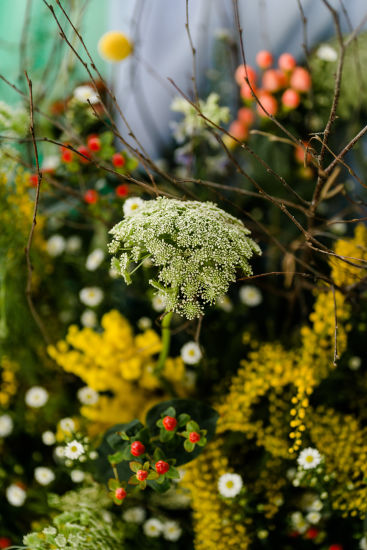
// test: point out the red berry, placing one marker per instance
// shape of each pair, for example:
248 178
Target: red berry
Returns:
246 92
300 80
291 99
137 448
161 467
273 80
33 180
194 437
264 59
91 196
122 190
84 151
238 130
286 62
94 143
332 547
120 493
170 423
300 152
269 103
141 475
66 155
4 542
118 160
312 533
246 116
243 73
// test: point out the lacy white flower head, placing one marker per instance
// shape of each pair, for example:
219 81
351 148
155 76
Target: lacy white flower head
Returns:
153 527
193 124
15 495
74 450
6 425
85 94
36 397
309 458
43 475
195 248
229 485
135 514
191 353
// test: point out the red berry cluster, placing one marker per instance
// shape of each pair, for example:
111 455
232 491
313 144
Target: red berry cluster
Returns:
287 82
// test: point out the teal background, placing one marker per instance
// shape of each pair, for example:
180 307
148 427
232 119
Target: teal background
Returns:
30 40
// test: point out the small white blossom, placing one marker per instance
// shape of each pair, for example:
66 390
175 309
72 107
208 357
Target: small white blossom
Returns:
229 485
132 205
50 163
144 323
49 530
299 522
224 303
189 380
313 517
355 363
153 527
171 530
85 93
88 318
67 425
93 455
88 396
48 438
91 296
363 543
250 296
59 451
55 245
73 244
339 228
309 458
136 514
191 353
159 302
114 273
74 450
6 425
36 397
94 259
77 476
263 534
326 53
43 475
16 495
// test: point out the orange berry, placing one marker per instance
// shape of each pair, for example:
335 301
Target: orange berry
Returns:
273 80
286 62
301 80
244 72
246 92
291 99
238 130
269 103
246 116
264 59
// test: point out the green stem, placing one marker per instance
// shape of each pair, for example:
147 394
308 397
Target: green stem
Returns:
166 340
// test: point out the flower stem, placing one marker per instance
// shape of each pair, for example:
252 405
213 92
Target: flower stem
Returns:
166 340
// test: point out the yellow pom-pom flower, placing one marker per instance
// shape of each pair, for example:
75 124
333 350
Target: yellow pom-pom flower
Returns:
114 46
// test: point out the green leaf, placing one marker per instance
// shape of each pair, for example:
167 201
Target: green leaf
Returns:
192 426
133 481
116 458
165 436
114 439
158 454
159 423
171 411
183 419
172 473
189 447
146 465
160 485
203 441
124 436
143 485
135 465
113 484
153 475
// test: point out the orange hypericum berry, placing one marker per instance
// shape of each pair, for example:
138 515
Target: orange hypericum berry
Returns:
118 160
243 73
286 62
300 80
238 130
94 143
66 155
269 103
91 196
83 150
291 99
246 116
122 190
273 80
264 59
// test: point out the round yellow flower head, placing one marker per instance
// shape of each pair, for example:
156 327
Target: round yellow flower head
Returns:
114 46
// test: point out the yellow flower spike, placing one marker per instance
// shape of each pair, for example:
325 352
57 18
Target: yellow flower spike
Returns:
114 46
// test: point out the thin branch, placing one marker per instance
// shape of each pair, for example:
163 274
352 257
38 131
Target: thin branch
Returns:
193 51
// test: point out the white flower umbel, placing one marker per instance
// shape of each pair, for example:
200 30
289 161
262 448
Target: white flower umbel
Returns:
153 527
195 247
16 495
229 485
159 302
136 514
43 475
313 517
94 259
55 245
74 450
73 244
132 205
191 353
67 425
6 425
250 296
36 397
172 530
309 458
355 363
48 438
327 53
77 476
88 396
85 94
91 296
89 318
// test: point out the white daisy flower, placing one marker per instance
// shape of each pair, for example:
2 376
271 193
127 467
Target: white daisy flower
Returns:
355 363
326 53
144 323
55 245
77 476
171 530
16 495
131 205
262 534
91 296
136 514
88 318
309 458
229 485
316 505
59 451
48 438
191 353
85 93
153 527
250 295
6 425
74 450
50 163
159 302
67 425
94 259
88 396
36 397
363 543
224 303
313 517
93 455
339 228
43 475
73 244
299 522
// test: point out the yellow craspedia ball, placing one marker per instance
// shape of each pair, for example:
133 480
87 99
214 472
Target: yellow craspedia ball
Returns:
114 46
